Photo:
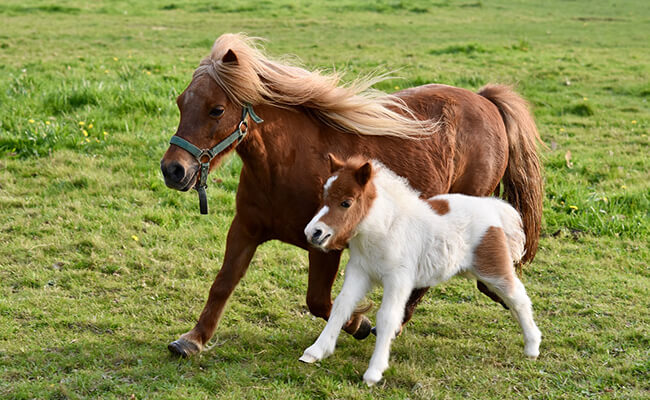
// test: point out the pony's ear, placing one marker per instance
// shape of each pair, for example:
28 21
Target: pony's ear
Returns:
335 163
363 174
229 57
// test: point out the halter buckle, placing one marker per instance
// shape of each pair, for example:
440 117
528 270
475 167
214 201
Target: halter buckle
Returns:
204 153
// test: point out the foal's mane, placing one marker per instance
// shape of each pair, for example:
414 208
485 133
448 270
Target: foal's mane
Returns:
354 107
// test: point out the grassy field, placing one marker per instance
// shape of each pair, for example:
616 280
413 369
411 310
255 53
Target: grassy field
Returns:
101 265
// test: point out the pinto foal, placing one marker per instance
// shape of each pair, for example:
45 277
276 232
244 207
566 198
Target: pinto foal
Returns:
403 242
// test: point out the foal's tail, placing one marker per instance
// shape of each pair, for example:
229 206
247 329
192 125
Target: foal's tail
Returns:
522 181
514 231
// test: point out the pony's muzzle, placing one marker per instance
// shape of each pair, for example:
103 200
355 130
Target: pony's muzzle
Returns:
176 175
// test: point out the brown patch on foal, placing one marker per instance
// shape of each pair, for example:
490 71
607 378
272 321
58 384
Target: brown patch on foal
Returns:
492 257
440 206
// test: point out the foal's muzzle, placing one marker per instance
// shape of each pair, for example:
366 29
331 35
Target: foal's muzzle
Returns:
319 235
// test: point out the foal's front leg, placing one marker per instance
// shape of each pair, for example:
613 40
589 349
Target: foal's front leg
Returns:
355 286
389 317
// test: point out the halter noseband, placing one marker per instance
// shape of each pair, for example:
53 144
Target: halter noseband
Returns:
209 154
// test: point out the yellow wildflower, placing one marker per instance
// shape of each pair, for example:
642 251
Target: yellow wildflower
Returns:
31 121
106 71
585 99
148 72
90 126
47 122
396 87
623 187
134 238
87 140
562 129
96 140
634 121
105 133
573 207
85 132
82 123
115 59
605 199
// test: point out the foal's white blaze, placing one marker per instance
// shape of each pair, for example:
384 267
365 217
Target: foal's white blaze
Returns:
328 184
314 225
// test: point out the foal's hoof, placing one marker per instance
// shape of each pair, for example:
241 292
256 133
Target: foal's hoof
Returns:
308 359
364 329
374 331
183 348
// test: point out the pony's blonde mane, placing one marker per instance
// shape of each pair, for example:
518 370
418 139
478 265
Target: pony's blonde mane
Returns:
354 107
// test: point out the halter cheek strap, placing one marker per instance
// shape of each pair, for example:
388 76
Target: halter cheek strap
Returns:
204 156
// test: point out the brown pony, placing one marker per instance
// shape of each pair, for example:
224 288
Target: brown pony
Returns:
442 139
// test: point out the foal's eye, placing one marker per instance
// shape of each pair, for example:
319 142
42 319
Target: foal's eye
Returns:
345 204
216 112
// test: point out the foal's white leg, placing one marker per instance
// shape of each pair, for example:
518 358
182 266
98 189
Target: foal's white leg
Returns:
514 295
355 286
389 320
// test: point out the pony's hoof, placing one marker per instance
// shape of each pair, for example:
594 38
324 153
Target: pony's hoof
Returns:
364 329
183 348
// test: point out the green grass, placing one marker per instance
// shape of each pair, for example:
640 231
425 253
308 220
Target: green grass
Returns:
101 265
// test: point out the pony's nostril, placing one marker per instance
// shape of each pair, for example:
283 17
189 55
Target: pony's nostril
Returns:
174 171
316 234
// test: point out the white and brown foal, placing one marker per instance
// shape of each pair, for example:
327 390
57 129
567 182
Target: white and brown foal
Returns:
403 242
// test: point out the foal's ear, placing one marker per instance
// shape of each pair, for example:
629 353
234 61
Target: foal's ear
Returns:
230 57
363 174
335 163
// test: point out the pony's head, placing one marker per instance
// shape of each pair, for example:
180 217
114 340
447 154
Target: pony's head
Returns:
346 200
211 107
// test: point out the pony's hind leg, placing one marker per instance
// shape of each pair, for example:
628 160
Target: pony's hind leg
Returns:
355 286
389 318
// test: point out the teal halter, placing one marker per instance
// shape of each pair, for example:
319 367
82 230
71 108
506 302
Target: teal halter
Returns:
208 154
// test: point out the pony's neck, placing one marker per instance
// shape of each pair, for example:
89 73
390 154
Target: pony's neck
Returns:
266 142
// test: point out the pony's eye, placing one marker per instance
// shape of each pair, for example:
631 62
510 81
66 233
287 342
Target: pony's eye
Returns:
345 204
216 112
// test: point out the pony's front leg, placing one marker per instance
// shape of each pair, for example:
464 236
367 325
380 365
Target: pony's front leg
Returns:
389 317
355 286
240 247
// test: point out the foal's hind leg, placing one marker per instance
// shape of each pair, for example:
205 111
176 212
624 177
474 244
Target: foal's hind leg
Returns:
493 266
513 293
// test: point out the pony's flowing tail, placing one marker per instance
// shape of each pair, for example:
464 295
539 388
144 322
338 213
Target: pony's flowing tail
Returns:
522 181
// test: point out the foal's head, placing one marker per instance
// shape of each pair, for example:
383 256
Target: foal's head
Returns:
346 199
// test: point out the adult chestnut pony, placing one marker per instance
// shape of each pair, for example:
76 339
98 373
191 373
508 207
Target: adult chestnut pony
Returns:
442 139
